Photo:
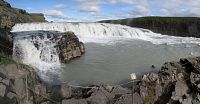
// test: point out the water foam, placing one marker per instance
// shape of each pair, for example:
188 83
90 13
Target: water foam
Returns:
105 33
38 50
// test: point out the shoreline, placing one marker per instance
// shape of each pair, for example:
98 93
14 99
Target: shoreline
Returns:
150 89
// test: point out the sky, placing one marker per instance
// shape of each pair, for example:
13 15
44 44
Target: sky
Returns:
95 10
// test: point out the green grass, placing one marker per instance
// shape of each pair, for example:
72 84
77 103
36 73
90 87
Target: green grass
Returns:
5 60
38 17
150 98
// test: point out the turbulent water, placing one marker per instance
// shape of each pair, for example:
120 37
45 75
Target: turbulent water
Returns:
37 49
104 33
112 51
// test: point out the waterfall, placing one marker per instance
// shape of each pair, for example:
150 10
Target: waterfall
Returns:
87 32
35 43
104 32
36 49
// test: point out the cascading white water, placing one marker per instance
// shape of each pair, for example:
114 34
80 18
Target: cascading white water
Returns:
87 31
36 49
104 32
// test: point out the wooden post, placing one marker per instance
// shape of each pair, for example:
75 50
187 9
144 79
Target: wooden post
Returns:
133 77
70 90
26 88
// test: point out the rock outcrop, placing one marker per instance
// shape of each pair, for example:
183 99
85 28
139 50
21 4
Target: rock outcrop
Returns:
176 83
70 47
8 17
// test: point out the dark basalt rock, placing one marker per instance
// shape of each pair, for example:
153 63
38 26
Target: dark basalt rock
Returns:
177 83
70 47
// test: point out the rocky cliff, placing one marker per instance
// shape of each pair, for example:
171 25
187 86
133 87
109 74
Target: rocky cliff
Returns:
8 17
175 83
175 26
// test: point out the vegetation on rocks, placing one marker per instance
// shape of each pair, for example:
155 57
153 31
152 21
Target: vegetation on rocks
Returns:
8 17
5 60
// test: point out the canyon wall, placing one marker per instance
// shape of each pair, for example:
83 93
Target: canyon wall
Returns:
175 26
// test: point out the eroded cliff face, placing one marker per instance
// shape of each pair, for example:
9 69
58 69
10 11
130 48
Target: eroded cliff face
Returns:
8 17
175 26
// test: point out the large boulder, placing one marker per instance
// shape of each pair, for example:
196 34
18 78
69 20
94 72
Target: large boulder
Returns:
2 90
130 99
100 96
16 84
181 90
192 64
120 91
70 47
75 101
61 91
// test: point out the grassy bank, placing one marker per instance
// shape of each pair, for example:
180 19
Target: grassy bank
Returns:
5 60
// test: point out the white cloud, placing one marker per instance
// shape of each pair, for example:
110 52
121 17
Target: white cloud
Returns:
58 16
109 1
138 7
89 7
179 7
60 6
29 8
140 10
122 1
54 13
148 7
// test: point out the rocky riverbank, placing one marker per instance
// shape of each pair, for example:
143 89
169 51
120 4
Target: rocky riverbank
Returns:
175 83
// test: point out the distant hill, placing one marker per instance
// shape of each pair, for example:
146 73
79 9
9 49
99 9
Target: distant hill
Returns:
8 17
18 15
175 26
